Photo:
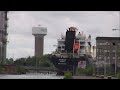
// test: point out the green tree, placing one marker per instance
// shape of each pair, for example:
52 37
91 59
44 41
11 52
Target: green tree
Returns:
9 61
43 61
20 61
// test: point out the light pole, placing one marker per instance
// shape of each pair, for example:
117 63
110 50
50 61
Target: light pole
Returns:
115 59
109 62
98 67
105 62
1 52
118 30
115 51
119 25
104 65
114 43
36 63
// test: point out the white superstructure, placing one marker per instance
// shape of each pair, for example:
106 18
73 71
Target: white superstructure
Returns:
85 45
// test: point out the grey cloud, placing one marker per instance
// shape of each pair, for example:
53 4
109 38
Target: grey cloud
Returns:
21 23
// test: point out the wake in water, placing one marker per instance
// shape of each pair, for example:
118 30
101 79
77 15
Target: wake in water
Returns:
31 76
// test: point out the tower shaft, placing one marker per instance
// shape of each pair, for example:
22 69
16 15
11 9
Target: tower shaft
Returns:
39 45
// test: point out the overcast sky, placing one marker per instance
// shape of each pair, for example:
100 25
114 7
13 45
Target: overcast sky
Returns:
21 40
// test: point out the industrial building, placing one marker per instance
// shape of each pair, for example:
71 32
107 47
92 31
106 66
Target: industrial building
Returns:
3 36
39 33
107 51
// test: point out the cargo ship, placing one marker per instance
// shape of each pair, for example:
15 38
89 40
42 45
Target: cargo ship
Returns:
73 51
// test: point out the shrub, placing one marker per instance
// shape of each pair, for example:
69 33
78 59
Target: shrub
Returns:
80 71
2 69
21 70
118 75
67 75
89 71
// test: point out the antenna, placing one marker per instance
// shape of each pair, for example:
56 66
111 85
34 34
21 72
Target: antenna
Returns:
13 56
39 24
82 32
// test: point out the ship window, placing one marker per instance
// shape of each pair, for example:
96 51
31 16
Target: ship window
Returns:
113 57
105 50
113 50
118 43
63 51
97 50
59 48
99 57
63 47
118 57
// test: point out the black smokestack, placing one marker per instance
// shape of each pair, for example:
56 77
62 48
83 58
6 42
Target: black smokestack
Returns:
69 41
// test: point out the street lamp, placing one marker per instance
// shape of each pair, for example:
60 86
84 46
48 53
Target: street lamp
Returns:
115 29
116 49
105 62
114 44
119 25
115 60
97 65
1 52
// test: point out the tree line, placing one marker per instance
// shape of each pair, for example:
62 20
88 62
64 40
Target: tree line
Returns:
43 61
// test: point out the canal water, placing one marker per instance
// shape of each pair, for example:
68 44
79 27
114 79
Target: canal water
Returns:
31 76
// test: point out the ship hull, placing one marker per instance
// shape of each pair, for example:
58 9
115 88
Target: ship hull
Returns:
70 64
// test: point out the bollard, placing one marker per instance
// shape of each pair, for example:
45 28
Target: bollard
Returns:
109 77
102 76
97 75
